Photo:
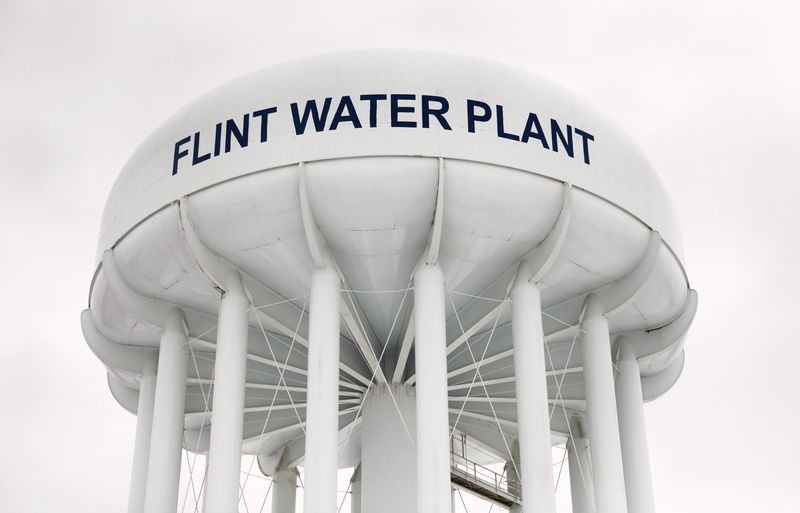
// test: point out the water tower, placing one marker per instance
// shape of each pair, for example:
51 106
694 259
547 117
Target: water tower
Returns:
387 260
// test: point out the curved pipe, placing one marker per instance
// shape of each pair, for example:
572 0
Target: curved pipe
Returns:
197 440
114 354
659 384
127 397
613 296
205 259
435 235
149 309
224 275
665 343
619 294
540 259
143 307
316 244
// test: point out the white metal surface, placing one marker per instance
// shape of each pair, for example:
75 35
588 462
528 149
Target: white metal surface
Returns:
618 171
380 210
388 457
164 460
141 446
601 414
633 432
227 416
581 482
355 491
433 462
323 378
284 490
536 472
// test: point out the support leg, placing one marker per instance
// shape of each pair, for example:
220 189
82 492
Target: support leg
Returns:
601 414
284 490
166 439
512 477
388 458
144 426
355 491
580 476
322 414
633 433
535 463
433 462
225 450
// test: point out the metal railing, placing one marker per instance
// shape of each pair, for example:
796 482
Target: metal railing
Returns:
485 478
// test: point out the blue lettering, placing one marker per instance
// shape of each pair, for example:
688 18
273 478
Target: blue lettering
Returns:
586 138
196 158
439 113
263 114
472 116
557 135
179 153
241 136
217 138
396 110
340 117
310 110
529 133
434 109
501 132
373 107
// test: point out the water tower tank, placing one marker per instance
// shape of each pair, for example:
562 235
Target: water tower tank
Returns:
367 259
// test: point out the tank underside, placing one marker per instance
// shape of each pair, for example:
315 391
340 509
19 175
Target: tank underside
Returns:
376 214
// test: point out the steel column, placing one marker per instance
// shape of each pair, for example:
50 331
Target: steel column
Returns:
512 477
535 449
433 462
355 491
633 433
580 475
284 490
144 426
601 409
203 490
322 414
387 481
227 416
166 438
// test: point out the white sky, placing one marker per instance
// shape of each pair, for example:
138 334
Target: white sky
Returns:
709 88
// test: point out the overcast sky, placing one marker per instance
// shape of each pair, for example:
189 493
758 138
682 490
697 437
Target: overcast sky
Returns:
708 87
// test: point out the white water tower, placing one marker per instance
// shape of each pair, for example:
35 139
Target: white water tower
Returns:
411 264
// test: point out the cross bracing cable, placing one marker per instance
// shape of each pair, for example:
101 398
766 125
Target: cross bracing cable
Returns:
564 409
206 409
480 378
474 376
266 496
375 371
280 380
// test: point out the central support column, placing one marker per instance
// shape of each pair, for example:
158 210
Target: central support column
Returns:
388 458
601 409
433 462
144 426
533 416
322 413
227 416
355 490
633 433
580 474
512 477
284 490
164 461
